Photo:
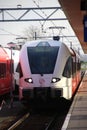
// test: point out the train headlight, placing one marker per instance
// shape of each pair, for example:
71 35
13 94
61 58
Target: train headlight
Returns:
29 80
54 80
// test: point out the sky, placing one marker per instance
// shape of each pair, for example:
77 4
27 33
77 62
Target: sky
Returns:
10 31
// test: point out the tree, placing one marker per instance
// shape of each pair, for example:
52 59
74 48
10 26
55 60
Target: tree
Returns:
32 32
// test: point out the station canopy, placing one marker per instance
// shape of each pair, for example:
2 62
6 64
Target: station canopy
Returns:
75 15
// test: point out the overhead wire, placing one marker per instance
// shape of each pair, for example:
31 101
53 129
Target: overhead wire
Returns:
51 20
42 12
9 33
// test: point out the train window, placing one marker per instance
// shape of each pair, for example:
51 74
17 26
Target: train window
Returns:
78 66
68 68
42 59
2 70
43 44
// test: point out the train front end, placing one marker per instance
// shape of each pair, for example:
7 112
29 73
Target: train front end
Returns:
41 68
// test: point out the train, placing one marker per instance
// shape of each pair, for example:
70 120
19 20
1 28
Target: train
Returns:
48 69
15 58
6 72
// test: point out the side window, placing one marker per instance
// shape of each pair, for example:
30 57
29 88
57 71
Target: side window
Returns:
78 65
74 67
2 70
68 68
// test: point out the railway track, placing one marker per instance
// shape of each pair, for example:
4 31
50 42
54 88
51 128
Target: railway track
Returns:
17 123
41 120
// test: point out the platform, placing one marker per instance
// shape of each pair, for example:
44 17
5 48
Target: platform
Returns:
76 118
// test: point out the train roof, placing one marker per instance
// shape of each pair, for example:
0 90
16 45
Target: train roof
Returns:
36 42
51 42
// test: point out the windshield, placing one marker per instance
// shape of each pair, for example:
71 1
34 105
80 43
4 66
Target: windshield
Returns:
42 59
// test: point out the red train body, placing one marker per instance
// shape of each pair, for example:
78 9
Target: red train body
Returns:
6 76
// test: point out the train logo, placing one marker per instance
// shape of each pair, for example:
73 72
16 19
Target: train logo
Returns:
41 81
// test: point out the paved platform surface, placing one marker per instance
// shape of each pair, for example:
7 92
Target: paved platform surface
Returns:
77 116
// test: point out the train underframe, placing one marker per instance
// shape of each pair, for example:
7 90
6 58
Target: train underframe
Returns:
42 93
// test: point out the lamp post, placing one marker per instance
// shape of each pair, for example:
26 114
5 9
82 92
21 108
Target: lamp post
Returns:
11 45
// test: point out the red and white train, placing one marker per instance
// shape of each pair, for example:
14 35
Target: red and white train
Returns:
6 74
48 69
